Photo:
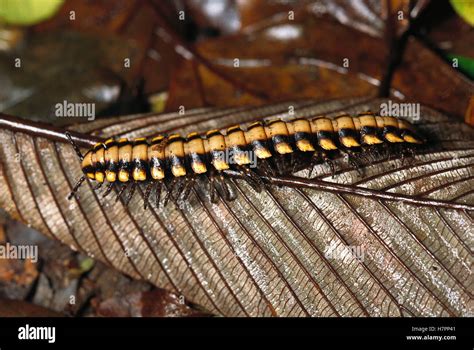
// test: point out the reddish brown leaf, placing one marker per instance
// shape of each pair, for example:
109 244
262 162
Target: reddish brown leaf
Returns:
305 58
278 67
426 78
157 303
19 308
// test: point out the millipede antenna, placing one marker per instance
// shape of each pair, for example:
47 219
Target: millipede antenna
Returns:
76 187
74 145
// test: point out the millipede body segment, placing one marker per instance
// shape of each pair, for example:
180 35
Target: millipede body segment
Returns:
256 149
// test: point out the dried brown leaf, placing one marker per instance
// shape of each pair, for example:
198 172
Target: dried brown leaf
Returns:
268 253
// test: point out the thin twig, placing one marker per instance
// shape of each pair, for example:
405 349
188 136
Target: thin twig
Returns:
46 130
293 181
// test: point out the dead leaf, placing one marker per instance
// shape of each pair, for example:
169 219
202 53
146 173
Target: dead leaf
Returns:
17 276
60 67
156 303
282 252
469 118
132 22
366 16
312 58
19 308
285 60
444 88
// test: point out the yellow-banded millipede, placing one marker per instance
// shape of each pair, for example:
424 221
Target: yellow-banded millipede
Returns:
258 148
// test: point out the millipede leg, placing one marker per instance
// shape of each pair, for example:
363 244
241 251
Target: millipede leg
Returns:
278 161
148 189
411 152
252 178
265 168
370 153
188 187
378 151
122 190
158 187
131 193
169 190
293 162
385 151
76 187
231 190
216 180
180 186
353 161
330 163
391 154
315 159
227 187
98 186
108 189
256 180
212 188
407 155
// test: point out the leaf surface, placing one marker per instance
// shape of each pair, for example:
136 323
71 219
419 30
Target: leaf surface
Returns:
281 252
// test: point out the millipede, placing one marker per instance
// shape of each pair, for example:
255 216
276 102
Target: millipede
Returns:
173 164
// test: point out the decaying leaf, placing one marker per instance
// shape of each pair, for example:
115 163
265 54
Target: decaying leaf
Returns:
286 251
20 308
37 86
157 303
366 16
283 59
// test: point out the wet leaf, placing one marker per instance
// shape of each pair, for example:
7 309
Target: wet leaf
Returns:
275 253
369 16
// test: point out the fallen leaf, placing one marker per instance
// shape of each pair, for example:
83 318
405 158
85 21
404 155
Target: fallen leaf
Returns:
279 252
54 68
156 303
312 58
20 308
